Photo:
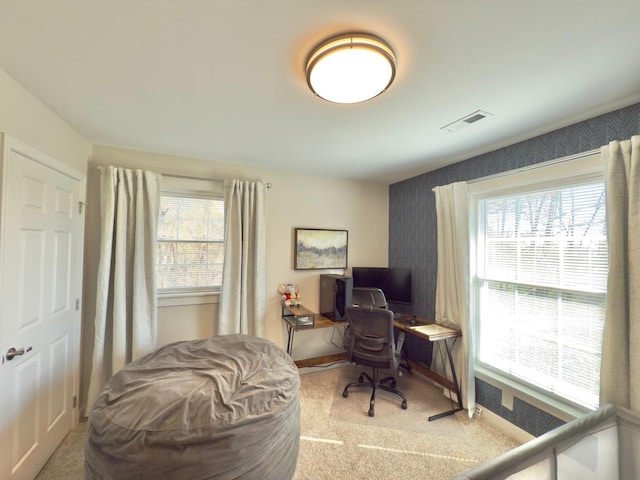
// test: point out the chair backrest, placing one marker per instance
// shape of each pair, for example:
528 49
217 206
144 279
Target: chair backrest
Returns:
372 342
368 297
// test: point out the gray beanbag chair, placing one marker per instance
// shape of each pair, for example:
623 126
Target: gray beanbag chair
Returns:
226 407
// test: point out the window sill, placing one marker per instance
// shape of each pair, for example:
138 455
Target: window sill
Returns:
563 410
187 298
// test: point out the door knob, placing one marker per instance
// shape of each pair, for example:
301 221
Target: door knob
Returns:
12 352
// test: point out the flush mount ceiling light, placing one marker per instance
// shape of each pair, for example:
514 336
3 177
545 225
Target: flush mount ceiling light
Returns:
351 68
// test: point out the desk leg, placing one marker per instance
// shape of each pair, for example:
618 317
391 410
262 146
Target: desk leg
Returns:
290 332
455 383
403 354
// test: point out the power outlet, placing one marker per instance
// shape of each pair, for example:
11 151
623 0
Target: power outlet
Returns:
477 412
507 400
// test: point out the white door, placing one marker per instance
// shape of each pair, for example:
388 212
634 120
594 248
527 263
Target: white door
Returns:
40 270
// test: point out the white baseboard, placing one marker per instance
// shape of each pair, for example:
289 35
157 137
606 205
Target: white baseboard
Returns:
507 427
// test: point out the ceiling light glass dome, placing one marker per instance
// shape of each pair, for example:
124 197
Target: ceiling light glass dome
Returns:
351 68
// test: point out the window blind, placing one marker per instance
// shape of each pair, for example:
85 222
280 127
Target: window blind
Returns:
190 242
542 274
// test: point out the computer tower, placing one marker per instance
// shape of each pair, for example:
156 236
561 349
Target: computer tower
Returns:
335 296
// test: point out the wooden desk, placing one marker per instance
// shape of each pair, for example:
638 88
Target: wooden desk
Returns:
320 321
433 333
423 329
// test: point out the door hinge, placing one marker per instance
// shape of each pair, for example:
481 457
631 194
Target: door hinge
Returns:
77 304
75 401
80 207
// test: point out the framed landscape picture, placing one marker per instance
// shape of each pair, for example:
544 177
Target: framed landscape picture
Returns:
317 249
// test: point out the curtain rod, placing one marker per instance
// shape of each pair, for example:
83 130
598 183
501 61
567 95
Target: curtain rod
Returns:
536 165
186 177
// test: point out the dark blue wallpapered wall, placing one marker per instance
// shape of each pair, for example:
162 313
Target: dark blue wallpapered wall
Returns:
412 219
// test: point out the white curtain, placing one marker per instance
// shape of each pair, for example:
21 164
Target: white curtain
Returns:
126 301
620 370
452 290
242 297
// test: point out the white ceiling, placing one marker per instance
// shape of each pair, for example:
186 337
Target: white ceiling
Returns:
224 79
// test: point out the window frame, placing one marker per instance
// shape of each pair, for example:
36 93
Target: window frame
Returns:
187 187
558 173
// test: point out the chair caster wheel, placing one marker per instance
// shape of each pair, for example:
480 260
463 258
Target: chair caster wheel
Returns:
404 404
345 393
371 412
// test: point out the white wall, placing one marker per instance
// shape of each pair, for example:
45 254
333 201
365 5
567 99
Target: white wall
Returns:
26 119
295 200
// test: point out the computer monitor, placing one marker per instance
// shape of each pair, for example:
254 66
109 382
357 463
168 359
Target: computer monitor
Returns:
395 282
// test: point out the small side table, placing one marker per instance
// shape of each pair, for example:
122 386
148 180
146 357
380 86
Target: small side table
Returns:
298 316
293 318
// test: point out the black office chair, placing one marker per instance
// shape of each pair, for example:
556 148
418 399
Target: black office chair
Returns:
372 344
368 297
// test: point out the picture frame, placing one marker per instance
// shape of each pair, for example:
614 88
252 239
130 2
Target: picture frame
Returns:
320 249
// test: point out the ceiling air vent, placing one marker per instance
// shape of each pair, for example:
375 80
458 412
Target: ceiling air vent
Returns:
466 121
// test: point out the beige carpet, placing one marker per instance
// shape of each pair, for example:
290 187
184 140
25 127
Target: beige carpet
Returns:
339 439
423 401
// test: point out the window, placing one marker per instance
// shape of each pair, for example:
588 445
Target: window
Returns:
190 243
540 285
